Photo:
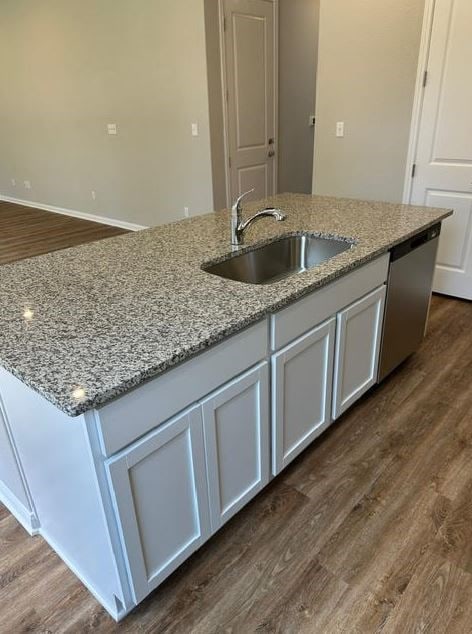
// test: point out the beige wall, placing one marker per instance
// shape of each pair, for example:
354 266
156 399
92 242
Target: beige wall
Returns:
298 45
69 68
215 102
367 59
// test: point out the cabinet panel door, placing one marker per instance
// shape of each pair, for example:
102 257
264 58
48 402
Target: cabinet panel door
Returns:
301 392
160 494
357 349
236 428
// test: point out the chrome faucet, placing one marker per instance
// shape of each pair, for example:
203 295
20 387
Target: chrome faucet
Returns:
238 226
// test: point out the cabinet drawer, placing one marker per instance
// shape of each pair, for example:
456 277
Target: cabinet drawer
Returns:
131 416
293 321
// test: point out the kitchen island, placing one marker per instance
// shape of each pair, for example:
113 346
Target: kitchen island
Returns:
146 401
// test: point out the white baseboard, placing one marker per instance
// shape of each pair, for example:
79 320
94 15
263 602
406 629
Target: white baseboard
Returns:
103 220
25 517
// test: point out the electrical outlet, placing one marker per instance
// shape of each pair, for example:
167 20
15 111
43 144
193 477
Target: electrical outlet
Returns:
94 195
13 182
186 212
112 128
194 129
340 129
27 184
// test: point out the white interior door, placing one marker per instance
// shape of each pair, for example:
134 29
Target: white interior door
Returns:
444 153
249 40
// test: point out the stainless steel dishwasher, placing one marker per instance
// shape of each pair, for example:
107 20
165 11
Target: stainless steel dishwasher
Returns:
408 297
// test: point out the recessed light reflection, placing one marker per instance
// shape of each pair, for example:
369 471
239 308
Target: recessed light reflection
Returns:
28 314
78 393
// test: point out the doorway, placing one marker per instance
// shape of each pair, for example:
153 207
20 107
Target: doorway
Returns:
441 139
261 59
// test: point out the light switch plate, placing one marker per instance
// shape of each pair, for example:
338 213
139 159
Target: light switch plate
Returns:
340 129
111 128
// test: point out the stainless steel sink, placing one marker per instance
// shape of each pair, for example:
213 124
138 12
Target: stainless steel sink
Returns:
278 259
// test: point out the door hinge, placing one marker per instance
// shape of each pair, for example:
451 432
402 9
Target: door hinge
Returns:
229 161
413 170
425 78
224 23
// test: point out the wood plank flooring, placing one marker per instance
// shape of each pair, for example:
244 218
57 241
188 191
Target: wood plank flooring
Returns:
369 530
25 232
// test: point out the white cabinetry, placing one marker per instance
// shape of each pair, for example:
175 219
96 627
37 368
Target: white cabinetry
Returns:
12 483
160 493
236 428
357 349
318 371
150 476
302 375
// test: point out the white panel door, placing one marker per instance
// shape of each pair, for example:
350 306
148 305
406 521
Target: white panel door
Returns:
236 429
160 494
249 38
302 375
359 331
444 154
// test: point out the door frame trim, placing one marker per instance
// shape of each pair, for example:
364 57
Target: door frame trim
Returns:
417 109
275 4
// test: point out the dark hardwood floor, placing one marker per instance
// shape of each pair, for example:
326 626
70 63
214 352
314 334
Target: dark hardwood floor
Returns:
369 530
25 232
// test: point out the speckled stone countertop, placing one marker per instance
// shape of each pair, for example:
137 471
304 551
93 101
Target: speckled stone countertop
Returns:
84 325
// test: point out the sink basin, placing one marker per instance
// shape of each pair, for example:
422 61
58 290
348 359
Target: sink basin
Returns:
278 259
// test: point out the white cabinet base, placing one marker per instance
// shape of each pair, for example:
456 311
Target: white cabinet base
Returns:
14 492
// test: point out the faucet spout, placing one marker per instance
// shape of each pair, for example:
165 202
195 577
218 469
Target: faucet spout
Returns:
238 226
270 212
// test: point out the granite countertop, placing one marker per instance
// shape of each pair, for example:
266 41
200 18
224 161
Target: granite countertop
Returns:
84 325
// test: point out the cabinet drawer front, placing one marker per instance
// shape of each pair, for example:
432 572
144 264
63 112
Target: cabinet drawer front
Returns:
357 349
293 321
160 496
236 429
301 393
136 413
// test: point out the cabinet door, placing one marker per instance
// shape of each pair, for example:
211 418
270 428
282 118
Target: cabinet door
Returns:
160 494
357 349
301 392
236 429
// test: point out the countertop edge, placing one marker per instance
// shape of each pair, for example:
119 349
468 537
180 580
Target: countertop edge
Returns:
182 356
